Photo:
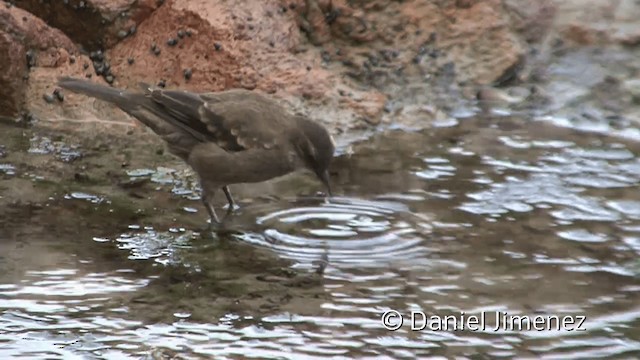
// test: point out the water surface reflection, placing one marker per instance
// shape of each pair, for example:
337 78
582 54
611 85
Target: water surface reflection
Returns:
493 214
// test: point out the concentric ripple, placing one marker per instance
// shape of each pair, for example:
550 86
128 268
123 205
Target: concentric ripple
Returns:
346 232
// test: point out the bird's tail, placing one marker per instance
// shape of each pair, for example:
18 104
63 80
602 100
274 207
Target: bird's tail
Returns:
140 106
98 91
133 103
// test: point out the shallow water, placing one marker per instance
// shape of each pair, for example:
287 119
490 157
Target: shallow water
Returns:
491 214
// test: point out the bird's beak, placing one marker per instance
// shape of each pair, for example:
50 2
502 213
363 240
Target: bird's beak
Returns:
324 177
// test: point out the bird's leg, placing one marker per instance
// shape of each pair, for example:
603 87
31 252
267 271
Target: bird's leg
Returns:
207 198
227 193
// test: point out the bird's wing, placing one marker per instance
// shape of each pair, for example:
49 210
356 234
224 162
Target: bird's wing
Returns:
236 120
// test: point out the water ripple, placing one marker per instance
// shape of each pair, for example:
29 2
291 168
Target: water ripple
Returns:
351 233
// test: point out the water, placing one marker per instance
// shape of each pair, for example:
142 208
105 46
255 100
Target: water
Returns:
493 214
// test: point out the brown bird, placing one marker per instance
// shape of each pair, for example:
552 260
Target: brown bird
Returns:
228 137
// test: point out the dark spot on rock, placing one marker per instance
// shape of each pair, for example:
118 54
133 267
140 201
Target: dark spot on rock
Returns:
217 46
58 94
159 2
109 78
89 75
31 58
85 66
272 44
331 16
341 92
72 59
250 27
187 73
292 6
162 83
283 9
348 63
130 60
308 68
188 33
122 34
48 98
98 67
180 33
155 49
172 42
326 57
97 56
24 18
81 177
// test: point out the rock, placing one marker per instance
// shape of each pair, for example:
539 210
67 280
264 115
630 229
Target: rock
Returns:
632 86
598 22
533 20
475 36
371 49
96 24
26 42
227 56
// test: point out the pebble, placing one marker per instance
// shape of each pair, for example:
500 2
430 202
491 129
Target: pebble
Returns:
58 94
48 98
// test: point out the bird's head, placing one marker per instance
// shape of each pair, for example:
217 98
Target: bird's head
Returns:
315 148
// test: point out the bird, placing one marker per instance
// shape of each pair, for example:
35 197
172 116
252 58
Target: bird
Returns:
227 137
